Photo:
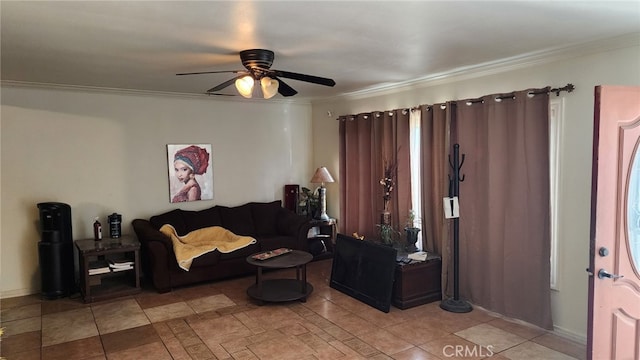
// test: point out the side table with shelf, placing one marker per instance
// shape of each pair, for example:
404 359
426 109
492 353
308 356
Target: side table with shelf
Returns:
323 240
110 284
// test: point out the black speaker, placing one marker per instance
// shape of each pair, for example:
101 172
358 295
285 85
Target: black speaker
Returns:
55 250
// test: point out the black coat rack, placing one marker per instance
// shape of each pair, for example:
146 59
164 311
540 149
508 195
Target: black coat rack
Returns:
454 304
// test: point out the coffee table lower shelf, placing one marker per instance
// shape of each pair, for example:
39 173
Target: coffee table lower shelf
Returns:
278 290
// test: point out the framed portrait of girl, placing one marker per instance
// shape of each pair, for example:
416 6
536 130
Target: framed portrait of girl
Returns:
190 172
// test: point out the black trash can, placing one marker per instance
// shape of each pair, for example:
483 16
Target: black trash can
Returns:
55 250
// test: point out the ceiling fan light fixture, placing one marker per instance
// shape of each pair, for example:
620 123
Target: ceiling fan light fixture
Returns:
269 87
245 86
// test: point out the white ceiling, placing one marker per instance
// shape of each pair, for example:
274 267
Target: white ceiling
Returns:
141 45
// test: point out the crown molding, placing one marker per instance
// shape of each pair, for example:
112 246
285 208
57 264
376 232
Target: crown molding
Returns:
496 67
458 74
134 92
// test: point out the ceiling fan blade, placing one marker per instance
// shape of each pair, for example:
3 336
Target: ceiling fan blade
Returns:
210 72
284 89
304 77
224 84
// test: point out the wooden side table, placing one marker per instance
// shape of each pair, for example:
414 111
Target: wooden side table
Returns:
417 283
112 283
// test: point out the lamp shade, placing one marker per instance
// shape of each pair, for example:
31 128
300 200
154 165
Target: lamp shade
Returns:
322 175
245 86
269 87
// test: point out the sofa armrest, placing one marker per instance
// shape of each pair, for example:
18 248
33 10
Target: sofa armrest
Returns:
292 224
156 254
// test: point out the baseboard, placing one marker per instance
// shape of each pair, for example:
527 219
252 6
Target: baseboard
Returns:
568 334
17 292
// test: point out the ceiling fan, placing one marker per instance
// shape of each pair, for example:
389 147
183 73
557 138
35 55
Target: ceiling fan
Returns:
257 63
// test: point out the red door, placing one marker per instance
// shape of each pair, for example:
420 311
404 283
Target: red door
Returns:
614 284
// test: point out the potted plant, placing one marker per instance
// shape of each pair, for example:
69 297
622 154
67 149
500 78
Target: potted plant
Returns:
309 202
412 231
388 235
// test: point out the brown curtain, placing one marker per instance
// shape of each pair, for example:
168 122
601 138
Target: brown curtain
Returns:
434 149
504 205
367 141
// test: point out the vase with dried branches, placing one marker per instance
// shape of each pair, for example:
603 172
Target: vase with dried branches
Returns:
387 182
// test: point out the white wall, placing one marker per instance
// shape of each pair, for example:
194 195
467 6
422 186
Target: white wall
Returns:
585 70
106 152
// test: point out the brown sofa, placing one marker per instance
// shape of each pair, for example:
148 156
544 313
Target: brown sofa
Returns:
269 223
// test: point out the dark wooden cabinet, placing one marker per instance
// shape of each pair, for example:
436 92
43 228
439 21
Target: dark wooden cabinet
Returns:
417 283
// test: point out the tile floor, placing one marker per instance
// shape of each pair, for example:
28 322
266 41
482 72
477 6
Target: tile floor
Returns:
219 321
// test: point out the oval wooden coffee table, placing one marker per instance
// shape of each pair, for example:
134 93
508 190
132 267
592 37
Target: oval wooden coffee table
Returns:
276 290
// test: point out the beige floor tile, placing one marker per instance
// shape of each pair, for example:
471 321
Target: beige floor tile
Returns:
119 315
491 337
532 351
216 331
354 324
21 326
416 332
176 349
20 312
325 308
385 341
284 349
518 328
210 303
237 345
454 347
414 353
349 353
361 347
251 323
68 326
219 321
129 338
86 348
244 355
168 312
156 351
274 316
562 345
149 300
200 352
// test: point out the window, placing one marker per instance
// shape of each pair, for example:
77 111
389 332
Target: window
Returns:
414 158
556 127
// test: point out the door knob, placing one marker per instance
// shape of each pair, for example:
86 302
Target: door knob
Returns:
604 274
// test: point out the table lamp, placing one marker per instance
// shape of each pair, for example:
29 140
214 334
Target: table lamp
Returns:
322 176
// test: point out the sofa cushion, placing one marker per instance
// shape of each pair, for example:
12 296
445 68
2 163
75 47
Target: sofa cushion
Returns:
209 259
195 220
237 219
265 217
173 217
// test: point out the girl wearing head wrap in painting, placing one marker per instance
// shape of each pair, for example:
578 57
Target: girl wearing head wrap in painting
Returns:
188 163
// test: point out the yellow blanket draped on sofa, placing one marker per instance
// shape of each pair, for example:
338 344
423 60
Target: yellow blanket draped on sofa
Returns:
201 241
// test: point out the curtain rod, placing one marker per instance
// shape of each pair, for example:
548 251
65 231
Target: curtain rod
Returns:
568 88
